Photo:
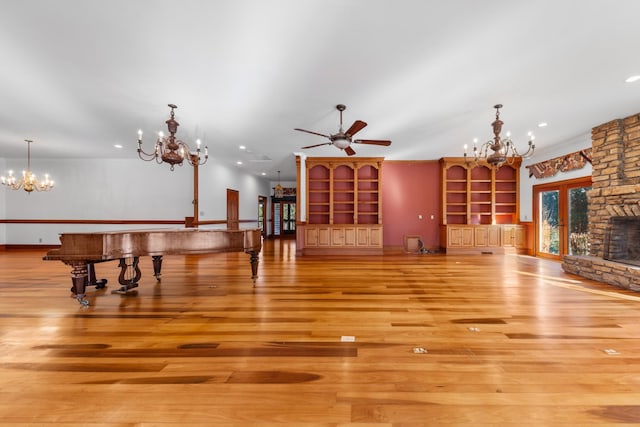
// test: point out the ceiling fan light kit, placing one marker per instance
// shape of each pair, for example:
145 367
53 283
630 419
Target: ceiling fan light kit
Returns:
342 139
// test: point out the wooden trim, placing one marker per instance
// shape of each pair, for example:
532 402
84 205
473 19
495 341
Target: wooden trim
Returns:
411 161
115 221
218 221
89 221
10 247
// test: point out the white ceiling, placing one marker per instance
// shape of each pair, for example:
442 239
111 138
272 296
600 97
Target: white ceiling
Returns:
78 76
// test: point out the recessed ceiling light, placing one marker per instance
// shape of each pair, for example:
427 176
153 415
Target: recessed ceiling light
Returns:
242 147
117 145
263 174
632 79
542 124
238 162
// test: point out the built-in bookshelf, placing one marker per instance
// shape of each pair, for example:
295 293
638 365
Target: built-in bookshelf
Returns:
478 202
344 204
479 194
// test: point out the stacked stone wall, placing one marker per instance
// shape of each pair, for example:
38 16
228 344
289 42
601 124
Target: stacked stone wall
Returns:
615 192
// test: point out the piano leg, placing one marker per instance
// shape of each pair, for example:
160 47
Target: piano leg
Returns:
254 265
79 279
99 284
157 266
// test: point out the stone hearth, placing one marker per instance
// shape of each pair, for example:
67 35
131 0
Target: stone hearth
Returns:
615 194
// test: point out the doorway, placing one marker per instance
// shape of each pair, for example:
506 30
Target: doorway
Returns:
288 218
560 211
233 202
284 217
262 215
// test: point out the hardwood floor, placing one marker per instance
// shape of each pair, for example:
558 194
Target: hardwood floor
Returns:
394 340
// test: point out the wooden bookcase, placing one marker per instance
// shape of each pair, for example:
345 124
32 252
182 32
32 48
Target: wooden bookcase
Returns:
344 205
478 202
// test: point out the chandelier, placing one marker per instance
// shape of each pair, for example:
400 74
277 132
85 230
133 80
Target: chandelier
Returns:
28 181
278 191
171 150
502 150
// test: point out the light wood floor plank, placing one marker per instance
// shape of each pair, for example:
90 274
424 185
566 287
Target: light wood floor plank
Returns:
319 341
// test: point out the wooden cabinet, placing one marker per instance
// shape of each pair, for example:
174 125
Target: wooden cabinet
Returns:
344 197
333 239
487 237
480 238
480 206
460 236
514 236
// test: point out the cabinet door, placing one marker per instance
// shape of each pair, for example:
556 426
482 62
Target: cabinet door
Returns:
375 237
311 236
520 237
487 235
508 235
460 237
324 236
481 236
362 236
493 236
337 237
349 236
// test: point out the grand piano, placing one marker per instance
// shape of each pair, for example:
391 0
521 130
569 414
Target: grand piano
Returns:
82 250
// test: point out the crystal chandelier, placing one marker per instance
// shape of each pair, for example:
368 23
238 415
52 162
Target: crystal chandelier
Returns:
171 150
28 181
503 150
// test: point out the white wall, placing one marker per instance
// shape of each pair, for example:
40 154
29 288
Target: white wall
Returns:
526 183
3 203
129 189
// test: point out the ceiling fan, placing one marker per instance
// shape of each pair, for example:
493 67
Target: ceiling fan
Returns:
342 139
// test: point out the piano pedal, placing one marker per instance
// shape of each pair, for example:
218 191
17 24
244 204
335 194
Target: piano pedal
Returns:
124 290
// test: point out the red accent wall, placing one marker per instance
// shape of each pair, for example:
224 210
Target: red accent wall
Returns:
410 189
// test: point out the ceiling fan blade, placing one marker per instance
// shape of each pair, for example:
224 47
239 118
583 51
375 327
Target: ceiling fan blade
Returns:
356 127
384 142
314 133
349 151
317 145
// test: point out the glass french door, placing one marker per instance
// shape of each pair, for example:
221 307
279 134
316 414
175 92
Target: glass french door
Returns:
561 221
288 218
549 223
284 218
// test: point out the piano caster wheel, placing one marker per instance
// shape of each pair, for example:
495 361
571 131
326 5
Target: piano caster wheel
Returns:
83 302
101 284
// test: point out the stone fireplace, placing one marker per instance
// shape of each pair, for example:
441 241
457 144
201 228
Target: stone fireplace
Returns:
614 207
622 241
